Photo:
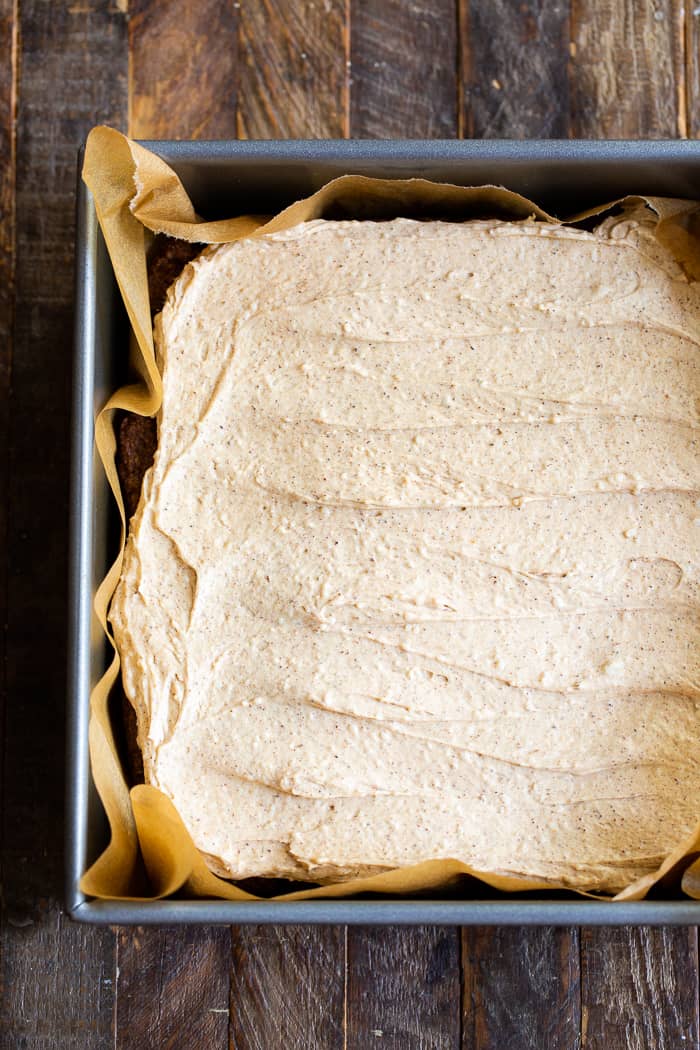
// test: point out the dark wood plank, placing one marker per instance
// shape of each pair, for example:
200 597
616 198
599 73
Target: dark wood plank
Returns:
513 76
288 983
403 60
692 70
520 986
403 988
173 988
293 69
184 69
626 69
287 988
403 985
8 85
57 977
639 988
521 989
173 984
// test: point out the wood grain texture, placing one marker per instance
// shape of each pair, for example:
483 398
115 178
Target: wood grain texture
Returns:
8 93
173 984
692 68
521 989
293 69
513 78
8 84
56 977
57 980
183 69
626 70
403 988
403 59
287 988
639 988
279 68
173 988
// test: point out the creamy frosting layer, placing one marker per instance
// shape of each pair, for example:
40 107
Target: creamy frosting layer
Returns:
415 571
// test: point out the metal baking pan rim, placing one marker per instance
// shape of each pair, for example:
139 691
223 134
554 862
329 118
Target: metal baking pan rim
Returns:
501 912
673 164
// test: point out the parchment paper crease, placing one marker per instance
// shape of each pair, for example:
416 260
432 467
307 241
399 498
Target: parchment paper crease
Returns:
151 855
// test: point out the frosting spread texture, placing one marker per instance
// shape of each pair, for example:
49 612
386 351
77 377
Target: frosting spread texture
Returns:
415 570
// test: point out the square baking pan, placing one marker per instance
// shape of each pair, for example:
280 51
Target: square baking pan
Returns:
228 178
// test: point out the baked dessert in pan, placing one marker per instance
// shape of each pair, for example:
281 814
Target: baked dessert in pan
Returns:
414 571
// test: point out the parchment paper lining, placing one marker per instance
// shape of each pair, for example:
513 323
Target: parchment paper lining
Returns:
150 854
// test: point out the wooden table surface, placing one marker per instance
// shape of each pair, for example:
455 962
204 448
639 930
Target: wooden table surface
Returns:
278 68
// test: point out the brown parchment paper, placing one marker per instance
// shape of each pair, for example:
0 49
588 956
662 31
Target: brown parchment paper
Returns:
150 854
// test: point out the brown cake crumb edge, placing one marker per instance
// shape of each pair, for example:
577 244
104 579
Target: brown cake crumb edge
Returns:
136 438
